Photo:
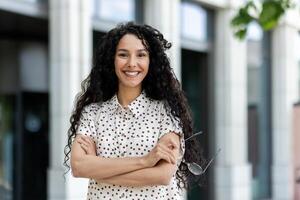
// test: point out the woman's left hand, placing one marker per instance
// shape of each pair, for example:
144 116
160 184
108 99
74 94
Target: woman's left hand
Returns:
87 144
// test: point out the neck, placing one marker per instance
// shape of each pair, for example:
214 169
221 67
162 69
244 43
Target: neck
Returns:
127 95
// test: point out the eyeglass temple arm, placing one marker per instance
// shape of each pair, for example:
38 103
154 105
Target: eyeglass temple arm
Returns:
198 133
211 160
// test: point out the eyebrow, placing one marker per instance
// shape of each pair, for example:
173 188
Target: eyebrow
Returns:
137 50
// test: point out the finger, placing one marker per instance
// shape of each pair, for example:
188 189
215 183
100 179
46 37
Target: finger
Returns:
169 153
82 142
84 147
80 136
170 143
164 156
174 144
92 141
87 139
171 159
79 140
166 153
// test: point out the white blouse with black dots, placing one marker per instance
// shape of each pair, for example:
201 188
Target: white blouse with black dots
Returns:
129 132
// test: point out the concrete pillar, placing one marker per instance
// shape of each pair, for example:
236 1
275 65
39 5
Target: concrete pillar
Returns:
232 178
70 55
164 16
284 95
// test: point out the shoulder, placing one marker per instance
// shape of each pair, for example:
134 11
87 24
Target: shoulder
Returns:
157 105
92 109
164 107
93 106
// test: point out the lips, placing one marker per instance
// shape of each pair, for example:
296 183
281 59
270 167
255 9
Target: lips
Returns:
131 73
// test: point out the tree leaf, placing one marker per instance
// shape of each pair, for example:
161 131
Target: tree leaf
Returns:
271 12
242 18
241 33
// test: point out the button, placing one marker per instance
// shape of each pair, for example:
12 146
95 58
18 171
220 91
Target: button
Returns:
123 154
122 195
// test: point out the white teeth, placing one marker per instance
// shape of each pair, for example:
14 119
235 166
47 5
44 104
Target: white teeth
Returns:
132 73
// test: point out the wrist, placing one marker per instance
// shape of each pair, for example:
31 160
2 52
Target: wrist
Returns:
143 161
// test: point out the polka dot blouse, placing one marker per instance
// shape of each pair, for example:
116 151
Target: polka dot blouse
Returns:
129 132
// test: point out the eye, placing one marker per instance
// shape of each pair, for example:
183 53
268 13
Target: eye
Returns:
123 55
142 55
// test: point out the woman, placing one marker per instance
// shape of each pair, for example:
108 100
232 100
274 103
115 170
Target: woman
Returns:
128 128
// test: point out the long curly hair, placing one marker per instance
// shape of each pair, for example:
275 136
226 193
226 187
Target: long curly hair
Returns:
160 84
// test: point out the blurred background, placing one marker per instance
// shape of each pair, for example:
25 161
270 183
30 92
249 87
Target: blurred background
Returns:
244 94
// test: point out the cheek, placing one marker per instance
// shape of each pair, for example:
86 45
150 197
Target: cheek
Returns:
118 64
146 66
117 69
147 69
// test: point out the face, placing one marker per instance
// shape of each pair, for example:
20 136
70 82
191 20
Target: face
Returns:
131 62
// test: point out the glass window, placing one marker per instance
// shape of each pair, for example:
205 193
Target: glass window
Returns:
297 45
259 111
254 32
193 21
7 110
34 1
115 10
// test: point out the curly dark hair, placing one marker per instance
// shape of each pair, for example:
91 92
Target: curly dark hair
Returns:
160 84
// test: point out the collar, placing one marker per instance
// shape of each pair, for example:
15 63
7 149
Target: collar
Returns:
137 106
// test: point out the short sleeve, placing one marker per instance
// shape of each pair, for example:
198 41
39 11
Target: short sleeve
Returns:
86 124
169 123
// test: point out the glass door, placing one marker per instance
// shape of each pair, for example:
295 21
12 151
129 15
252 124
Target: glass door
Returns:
195 83
7 134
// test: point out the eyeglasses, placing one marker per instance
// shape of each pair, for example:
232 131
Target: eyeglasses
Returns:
193 167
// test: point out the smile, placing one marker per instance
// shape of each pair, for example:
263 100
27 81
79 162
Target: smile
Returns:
131 74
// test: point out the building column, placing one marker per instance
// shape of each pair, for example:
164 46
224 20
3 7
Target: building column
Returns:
232 178
70 55
284 95
164 16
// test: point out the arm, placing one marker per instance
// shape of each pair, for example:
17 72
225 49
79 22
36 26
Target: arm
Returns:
86 164
91 166
160 174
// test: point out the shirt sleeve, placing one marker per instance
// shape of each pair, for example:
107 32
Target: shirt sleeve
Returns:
168 124
86 124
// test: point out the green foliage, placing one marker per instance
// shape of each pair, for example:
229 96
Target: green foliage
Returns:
6 118
267 14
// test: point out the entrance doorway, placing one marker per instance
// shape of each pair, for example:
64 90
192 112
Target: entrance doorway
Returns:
195 82
24 151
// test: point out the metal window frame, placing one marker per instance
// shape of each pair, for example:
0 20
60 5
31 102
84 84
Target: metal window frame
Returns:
39 9
104 25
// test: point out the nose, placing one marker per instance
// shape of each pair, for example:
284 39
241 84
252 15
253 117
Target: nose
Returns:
132 61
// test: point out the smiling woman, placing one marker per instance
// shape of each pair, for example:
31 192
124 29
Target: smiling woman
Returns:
128 127
131 63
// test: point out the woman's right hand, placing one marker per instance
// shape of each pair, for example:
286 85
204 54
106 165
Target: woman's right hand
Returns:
87 144
160 152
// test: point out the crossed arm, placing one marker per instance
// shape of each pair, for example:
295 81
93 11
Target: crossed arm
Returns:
155 168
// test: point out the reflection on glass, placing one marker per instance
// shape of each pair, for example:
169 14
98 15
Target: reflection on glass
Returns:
193 21
254 33
297 45
115 10
34 1
195 84
6 146
259 112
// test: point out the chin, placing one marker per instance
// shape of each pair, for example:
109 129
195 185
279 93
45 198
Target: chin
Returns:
131 85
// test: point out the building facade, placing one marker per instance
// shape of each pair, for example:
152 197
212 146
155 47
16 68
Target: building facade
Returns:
243 94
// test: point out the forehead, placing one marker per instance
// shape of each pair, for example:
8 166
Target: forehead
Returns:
130 41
